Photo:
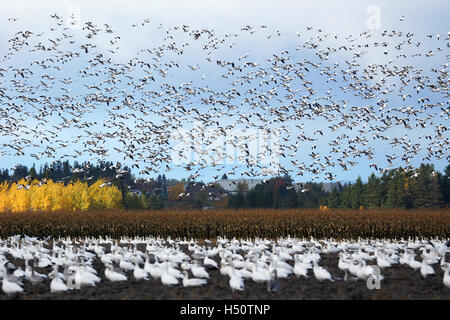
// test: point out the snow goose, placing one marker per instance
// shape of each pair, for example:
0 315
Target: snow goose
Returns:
320 273
426 269
282 272
413 263
194 282
382 262
126 265
446 279
210 263
114 274
155 270
365 271
139 273
301 267
57 284
260 274
236 282
273 286
225 268
344 265
173 271
83 278
199 271
10 287
168 279
19 273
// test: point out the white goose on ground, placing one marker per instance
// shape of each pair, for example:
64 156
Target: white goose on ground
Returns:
199 271
446 279
139 273
320 273
9 286
301 267
168 279
57 284
193 282
210 263
260 273
236 282
426 269
114 274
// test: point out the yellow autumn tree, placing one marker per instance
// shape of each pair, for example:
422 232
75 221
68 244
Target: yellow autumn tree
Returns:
175 191
4 196
51 196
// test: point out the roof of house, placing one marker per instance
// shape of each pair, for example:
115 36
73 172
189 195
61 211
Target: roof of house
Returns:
230 185
329 186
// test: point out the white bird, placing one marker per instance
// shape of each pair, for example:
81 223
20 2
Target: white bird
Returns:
199 271
10 287
236 282
344 265
426 269
139 273
382 262
155 270
210 263
58 285
114 275
320 273
194 282
260 274
168 279
446 279
301 268
126 265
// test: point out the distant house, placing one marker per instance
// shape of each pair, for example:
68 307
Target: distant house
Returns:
230 185
329 186
212 192
136 191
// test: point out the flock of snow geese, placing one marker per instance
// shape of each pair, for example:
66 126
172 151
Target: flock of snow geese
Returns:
67 93
189 263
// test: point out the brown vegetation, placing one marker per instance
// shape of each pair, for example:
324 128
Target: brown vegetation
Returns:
200 224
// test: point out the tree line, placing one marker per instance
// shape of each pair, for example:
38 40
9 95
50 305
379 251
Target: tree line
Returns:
396 188
423 187
136 193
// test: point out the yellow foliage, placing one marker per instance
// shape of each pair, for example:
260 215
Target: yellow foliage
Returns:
52 196
324 208
175 191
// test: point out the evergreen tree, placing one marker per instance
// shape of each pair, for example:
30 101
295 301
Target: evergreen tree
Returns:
33 172
346 196
357 194
164 193
444 183
333 200
373 192
425 188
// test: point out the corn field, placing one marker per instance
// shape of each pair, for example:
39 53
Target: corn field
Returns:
251 223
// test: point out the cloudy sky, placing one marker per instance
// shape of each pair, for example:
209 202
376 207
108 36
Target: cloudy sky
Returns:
289 17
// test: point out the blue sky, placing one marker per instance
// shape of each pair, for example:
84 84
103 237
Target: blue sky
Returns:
334 17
